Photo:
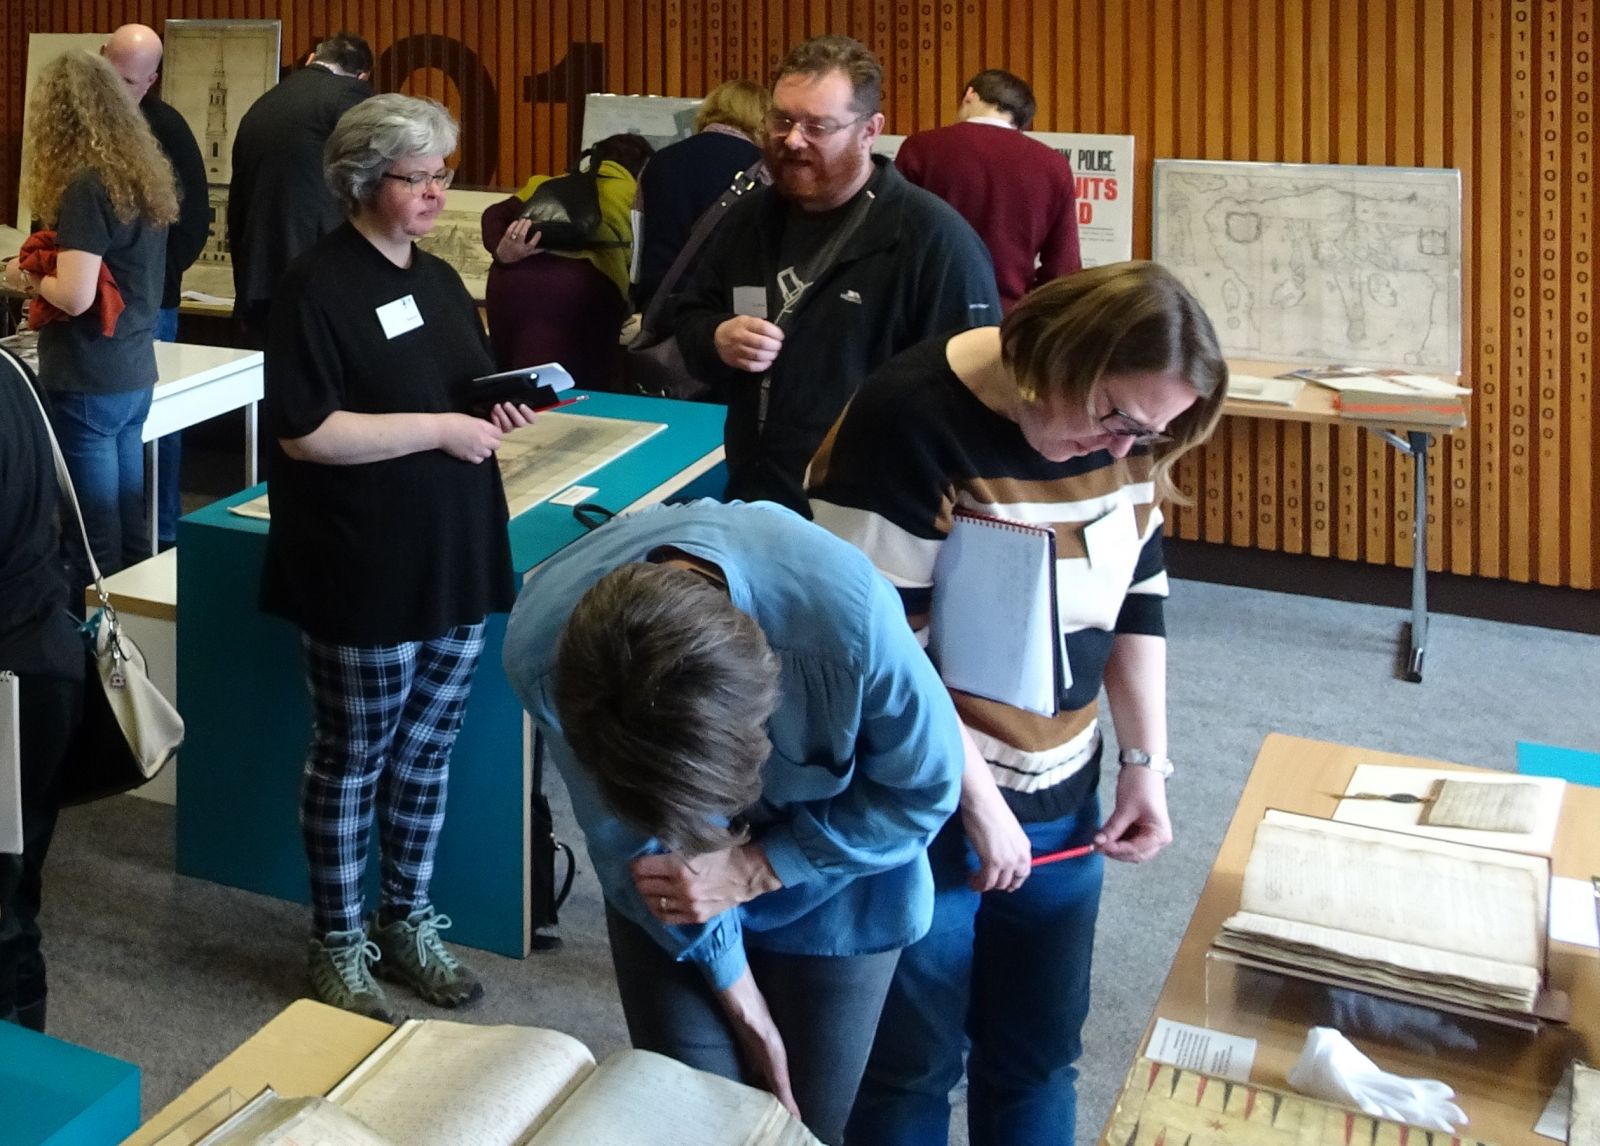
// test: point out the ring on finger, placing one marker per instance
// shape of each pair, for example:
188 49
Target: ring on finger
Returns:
663 903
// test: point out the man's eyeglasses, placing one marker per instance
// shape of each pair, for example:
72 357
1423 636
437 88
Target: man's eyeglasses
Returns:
417 180
1121 424
815 130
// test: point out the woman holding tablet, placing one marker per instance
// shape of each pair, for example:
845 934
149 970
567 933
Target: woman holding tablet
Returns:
388 543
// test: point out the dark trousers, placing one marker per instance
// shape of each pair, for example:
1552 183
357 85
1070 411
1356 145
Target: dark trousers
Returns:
825 1007
50 711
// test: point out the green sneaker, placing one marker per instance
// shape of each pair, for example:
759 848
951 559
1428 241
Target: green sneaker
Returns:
340 970
412 954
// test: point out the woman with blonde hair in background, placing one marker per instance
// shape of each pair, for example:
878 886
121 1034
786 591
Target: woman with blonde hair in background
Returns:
100 184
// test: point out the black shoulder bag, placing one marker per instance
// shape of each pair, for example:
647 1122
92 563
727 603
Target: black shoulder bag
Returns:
654 363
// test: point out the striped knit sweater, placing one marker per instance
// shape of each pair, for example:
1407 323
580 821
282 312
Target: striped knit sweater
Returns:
914 444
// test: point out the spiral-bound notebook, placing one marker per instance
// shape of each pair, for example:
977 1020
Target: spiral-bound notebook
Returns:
993 630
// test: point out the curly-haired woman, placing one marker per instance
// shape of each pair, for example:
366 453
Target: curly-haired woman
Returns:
96 176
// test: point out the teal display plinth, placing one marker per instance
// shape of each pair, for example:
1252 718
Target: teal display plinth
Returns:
58 1094
242 692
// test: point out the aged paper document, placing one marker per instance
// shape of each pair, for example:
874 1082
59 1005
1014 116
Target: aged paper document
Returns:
543 459
1420 819
436 1082
539 461
1440 919
1485 807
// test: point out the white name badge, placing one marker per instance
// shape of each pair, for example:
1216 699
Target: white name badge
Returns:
750 300
399 316
1113 536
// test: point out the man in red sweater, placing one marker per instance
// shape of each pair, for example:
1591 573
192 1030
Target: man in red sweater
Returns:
1016 192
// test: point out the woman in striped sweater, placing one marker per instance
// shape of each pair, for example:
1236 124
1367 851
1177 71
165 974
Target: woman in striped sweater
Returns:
1069 415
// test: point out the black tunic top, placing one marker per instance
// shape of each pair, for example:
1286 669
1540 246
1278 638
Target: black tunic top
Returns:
390 551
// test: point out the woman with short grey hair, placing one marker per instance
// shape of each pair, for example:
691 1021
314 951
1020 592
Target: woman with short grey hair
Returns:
376 132
387 546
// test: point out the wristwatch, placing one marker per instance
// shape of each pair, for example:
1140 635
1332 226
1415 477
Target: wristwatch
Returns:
1139 758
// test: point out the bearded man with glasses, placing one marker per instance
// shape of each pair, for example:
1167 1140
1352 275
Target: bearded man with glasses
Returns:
811 283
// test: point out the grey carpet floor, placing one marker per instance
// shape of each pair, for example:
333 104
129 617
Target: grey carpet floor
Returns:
172 973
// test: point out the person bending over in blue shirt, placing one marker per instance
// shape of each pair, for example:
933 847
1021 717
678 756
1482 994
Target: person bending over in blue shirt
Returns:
758 752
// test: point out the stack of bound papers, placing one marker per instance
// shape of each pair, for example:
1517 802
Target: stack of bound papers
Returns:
1269 391
1428 920
435 1082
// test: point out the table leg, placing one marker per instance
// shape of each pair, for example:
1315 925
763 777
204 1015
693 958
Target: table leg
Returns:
1418 449
152 492
251 444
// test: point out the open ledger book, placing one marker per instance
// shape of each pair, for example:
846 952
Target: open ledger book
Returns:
1442 923
434 1082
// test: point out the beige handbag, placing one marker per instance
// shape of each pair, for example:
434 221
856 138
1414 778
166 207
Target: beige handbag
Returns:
129 730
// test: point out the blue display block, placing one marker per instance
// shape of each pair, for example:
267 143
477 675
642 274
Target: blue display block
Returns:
242 691
1571 764
56 1093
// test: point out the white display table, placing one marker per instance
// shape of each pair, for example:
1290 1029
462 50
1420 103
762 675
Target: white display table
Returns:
196 383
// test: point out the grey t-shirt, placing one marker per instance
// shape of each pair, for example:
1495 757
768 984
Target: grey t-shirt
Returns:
73 353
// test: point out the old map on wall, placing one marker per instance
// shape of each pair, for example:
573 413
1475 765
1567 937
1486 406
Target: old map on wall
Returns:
1161 1103
213 70
457 236
1319 264
662 120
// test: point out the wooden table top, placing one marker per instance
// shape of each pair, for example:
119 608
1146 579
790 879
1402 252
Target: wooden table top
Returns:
1502 1078
305 1049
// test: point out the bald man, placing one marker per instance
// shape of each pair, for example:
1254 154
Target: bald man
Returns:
134 50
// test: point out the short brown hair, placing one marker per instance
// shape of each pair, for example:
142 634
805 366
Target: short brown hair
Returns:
1009 93
1123 318
664 688
823 54
738 104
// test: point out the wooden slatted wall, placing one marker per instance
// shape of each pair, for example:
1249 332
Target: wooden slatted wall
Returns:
1502 89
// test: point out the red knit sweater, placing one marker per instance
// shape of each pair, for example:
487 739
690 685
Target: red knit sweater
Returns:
1016 192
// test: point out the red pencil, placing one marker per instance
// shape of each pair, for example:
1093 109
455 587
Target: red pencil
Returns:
568 402
1070 853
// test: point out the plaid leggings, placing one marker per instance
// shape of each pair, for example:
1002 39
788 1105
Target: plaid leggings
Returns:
384 720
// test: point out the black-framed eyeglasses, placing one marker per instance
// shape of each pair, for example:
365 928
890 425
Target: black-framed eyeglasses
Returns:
417 180
815 130
1121 424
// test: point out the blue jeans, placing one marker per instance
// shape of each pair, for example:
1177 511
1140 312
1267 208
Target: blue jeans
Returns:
169 452
99 435
1003 977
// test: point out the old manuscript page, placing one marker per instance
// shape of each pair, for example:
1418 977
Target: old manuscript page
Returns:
623 1103
440 1081
1377 902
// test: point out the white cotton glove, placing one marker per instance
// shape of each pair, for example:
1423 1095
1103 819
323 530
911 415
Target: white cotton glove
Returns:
1332 1069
